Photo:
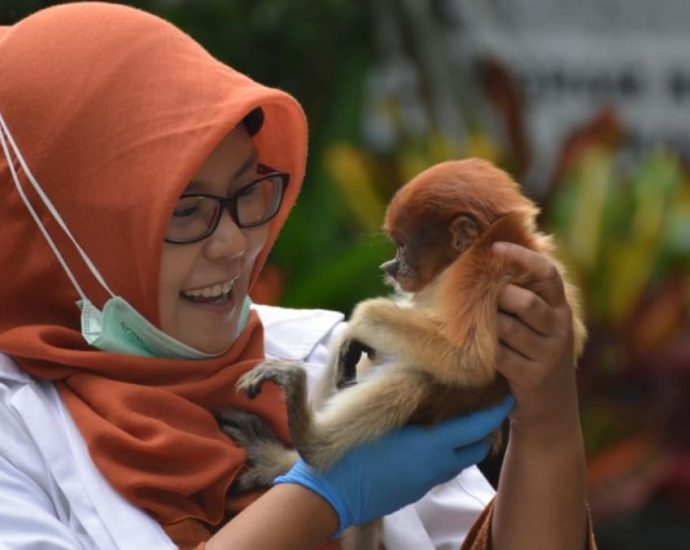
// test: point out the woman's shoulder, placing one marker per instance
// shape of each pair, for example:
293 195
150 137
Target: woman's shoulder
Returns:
23 399
48 481
14 384
24 470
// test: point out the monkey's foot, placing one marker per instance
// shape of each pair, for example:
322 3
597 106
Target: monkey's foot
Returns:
267 457
287 374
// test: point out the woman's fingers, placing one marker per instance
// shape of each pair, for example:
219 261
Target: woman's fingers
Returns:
526 306
545 279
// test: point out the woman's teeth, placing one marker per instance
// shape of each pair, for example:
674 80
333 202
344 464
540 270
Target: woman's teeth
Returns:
209 293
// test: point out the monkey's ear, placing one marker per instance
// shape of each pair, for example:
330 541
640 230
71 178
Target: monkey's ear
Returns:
464 231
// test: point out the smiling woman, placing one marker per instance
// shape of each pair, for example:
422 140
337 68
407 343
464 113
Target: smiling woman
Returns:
204 283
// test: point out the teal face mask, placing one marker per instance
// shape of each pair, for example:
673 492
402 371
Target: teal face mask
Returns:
119 328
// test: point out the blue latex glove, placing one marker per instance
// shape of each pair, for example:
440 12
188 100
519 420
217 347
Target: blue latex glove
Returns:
380 477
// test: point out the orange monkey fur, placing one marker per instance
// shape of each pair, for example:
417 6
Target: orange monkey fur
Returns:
435 354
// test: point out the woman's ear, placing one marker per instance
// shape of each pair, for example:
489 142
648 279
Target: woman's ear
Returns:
464 230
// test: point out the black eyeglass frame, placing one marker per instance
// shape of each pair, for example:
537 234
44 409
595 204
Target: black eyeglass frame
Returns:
229 203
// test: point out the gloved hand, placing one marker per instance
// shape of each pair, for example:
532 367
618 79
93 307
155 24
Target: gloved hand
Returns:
380 477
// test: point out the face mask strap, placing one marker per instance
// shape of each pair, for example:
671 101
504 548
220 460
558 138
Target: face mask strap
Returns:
5 137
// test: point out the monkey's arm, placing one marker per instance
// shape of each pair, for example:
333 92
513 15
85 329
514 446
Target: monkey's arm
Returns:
390 329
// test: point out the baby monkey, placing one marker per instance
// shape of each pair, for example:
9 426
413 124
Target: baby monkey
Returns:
431 352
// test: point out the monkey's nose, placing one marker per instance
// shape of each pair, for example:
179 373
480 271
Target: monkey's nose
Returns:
390 267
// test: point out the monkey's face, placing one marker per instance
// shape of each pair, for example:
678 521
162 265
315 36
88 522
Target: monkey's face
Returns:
423 250
402 268
441 212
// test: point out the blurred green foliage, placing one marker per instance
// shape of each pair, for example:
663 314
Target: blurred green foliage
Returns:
621 230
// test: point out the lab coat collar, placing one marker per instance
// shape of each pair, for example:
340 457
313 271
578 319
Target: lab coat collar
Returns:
294 333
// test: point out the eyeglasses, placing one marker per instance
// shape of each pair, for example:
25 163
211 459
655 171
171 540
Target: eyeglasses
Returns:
197 215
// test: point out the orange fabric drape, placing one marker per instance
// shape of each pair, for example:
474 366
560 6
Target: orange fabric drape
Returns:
114 110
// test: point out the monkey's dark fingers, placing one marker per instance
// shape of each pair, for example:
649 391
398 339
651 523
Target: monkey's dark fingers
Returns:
545 279
527 307
349 355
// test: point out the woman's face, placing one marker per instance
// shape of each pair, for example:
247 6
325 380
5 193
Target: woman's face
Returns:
193 275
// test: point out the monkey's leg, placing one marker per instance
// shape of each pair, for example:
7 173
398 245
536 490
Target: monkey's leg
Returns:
355 415
292 377
362 413
267 457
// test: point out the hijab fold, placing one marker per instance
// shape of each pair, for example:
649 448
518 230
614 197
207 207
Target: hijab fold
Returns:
114 110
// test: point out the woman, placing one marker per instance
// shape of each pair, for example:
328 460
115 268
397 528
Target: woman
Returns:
124 321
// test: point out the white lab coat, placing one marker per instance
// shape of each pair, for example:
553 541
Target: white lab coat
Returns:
52 496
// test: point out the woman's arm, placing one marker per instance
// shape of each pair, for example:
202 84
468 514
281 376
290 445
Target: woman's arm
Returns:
541 495
541 498
370 481
287 516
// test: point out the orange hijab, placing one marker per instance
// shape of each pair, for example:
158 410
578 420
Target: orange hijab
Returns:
114 110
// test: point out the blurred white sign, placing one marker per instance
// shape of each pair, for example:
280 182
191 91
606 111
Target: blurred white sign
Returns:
573 58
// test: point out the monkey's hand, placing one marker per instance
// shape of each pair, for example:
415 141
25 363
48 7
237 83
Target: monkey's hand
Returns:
381 476
267 457
535 330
